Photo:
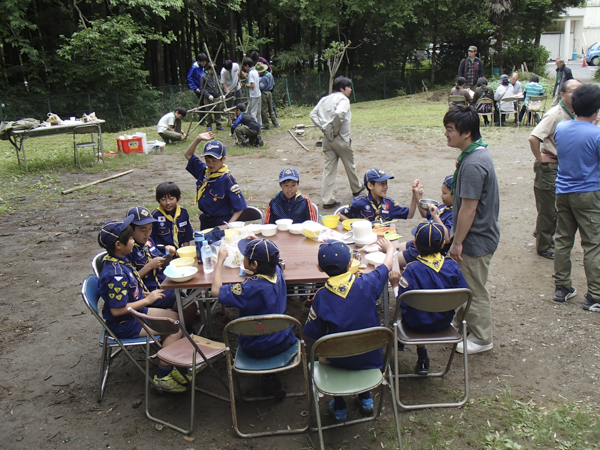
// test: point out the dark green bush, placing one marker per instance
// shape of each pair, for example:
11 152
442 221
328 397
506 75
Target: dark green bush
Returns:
535 58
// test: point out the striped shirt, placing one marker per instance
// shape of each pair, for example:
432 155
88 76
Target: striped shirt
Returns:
533 88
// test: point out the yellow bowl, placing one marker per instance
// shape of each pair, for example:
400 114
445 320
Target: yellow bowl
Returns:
187 252
183 262
331 221
348 223
354 266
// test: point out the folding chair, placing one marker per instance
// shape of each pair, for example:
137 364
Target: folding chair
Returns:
316 210
183 353
332 380
97 262
95 143
511 100
536 106
432 300
457 100
243 363
340 209
486 101
251 213
108 341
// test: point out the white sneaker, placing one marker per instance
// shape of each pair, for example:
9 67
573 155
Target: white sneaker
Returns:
472 347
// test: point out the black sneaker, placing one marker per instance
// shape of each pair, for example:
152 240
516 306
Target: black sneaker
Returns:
422 367
590 305
332 205
562 294
356 194
547 254
259 141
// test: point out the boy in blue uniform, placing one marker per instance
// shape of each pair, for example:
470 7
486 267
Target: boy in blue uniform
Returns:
431 270
290 203
348 303
375 206
219 197
264 292
441 214
121 287
172 226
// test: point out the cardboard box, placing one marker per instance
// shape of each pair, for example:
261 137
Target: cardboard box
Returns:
130 144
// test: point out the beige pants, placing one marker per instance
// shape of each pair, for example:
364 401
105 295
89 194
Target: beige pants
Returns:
479 318
333 151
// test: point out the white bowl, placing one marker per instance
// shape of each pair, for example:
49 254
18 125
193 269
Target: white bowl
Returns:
366 240
180 274
375 258
254 228
296 228
269 230
236 224
283 224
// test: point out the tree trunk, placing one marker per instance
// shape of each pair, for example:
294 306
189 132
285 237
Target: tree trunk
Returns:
231 35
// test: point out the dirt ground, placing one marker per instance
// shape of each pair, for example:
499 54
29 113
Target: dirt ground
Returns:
49 349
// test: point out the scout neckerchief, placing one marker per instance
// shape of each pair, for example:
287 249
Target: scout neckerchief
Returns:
148 256
340 284
571 115
472 146
376 209
272 279
126 262
174 220
208 175
435 261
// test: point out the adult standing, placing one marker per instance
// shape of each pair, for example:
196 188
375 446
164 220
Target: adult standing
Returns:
545 167
332 116
195 73
471 68
475 228
578 196
563 73
253 84
230 79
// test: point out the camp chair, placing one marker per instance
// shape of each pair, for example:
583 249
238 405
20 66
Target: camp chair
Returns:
97 262
457 100
340 209
251 213
486 101
184 353
94 142
243 363
111 345
331 380
432 300
536 106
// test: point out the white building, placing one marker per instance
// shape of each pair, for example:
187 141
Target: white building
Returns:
574 31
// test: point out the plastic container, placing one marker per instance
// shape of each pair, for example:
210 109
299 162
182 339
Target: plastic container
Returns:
144 142
155 146
187 252
130 144
574 56
331 221
198 239
207 261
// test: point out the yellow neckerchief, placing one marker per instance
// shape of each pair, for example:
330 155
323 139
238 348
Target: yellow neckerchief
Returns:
443 209
340 284
174 220
272 279
148 256
126 262
207 176
435 261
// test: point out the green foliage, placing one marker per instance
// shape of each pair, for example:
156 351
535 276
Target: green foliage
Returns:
299 59
536 58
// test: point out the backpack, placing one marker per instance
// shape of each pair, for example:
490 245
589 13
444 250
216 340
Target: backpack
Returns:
23 124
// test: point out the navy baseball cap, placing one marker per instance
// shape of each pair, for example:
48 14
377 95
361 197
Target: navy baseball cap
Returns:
259 249
428 233
141 215
110 231
214 148
448 181
289 173
334 254
374 175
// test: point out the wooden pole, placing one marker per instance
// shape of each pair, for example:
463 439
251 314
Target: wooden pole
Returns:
68 191
296 139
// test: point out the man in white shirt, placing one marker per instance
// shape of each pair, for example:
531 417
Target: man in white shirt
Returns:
332 116
169 125
253 84
230 79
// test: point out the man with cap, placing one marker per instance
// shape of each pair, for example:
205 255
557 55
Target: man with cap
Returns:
121 287
375 206
332 116
267 84
219 197
348 303
430 270
471 68
290 203
246 128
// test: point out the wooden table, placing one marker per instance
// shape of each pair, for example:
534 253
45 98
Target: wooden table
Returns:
297 252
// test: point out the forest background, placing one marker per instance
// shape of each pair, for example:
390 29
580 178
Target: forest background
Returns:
131 54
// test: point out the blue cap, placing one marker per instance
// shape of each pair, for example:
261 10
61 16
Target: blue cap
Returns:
110 231
259 249
428 233
448 181
374 175
334 254
214 148
141 215
289 173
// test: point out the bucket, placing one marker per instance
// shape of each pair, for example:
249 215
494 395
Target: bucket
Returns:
574 55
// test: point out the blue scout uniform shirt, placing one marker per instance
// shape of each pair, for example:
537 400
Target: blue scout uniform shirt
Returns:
119 285
348 303
299 209
221 196
365 207
445 213
258 295
431 272
164 231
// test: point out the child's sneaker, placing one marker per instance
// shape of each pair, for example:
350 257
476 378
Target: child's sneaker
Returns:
338 414
181 379
220 128
422 367
590 305
168 384
364 404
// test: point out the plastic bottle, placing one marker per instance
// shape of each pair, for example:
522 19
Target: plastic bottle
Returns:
207 261
198 239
